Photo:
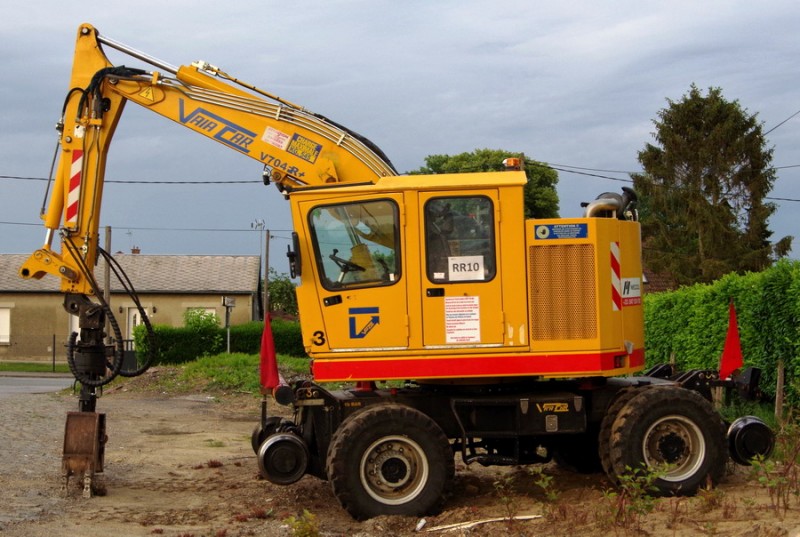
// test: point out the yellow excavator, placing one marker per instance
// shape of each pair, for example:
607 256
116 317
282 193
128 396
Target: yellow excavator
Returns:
509 340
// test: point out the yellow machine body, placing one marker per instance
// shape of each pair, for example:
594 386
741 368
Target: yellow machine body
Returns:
514 297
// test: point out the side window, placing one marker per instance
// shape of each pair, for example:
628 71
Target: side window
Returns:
356 244
459 239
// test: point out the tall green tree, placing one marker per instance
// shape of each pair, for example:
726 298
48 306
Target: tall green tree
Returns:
541 198
702 193
282 293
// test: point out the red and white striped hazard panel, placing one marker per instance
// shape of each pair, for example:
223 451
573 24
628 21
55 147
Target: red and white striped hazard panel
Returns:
616 287
74 194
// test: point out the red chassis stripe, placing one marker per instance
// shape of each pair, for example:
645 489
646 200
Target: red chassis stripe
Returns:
468 366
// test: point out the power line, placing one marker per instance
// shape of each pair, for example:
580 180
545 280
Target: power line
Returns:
565 168
554 167
195 229
571 168
780 199
781 123
131 182
232 230
20 224
588 169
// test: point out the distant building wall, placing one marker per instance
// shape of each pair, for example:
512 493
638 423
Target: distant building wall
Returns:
39 327
34 325
169 309
34 321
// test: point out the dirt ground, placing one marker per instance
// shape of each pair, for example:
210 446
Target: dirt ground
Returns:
182 465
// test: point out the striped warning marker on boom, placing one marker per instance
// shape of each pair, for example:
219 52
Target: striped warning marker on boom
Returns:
74 194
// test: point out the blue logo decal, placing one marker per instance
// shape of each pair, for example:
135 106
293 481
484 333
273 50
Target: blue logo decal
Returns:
561 231
217 127
362 320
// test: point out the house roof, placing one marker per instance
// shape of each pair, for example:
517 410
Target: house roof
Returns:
658 281
154 274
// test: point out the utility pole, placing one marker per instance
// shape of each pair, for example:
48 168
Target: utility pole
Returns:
107 289
259 224
266 277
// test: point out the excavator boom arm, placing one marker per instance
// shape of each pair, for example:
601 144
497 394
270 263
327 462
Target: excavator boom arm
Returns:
299 149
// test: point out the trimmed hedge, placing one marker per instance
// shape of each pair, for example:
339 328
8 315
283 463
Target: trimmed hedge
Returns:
245 338
181 345
288 338
691 323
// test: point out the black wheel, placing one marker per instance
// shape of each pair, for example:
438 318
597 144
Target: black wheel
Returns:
604 438
390 460
283 458
670 428
260 433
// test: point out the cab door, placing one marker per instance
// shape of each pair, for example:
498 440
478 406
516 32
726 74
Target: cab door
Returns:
362 290
462 304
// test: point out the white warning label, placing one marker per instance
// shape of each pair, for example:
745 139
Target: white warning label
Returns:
462 319
276 138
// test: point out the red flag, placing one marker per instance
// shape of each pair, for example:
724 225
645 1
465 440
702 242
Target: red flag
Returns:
269 362
731 358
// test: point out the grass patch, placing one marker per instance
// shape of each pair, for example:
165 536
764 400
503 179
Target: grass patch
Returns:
294 365
234 372
764 411
220 374
226 372
33 367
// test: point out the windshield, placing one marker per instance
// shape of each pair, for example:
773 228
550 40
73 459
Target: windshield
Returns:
356 244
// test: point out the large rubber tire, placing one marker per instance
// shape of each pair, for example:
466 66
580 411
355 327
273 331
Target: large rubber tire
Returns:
604 438
390 460
672 426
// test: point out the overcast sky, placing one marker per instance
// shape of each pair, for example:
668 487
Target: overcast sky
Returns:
569 83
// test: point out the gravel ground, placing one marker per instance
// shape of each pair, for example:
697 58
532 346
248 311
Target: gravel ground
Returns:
30 444
182 466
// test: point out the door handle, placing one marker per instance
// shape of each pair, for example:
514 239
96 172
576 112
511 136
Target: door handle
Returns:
434 291
332 300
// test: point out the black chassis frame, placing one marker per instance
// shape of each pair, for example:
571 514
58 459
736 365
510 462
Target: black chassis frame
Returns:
522 422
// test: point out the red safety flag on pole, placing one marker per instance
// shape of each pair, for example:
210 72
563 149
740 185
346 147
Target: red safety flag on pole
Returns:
731 358
269 361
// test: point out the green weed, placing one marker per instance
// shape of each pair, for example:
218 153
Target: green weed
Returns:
305 525
633 502
504 489
544 482
780 475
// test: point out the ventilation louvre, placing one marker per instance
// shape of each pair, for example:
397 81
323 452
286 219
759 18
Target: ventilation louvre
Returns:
563 292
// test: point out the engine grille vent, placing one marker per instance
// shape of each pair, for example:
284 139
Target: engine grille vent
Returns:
563 292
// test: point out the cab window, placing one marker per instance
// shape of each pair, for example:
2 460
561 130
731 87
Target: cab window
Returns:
459 239
356 244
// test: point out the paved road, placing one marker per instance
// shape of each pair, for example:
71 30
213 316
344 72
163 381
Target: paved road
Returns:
16 383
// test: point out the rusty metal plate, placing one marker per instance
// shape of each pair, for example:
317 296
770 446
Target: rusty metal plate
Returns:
84 443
